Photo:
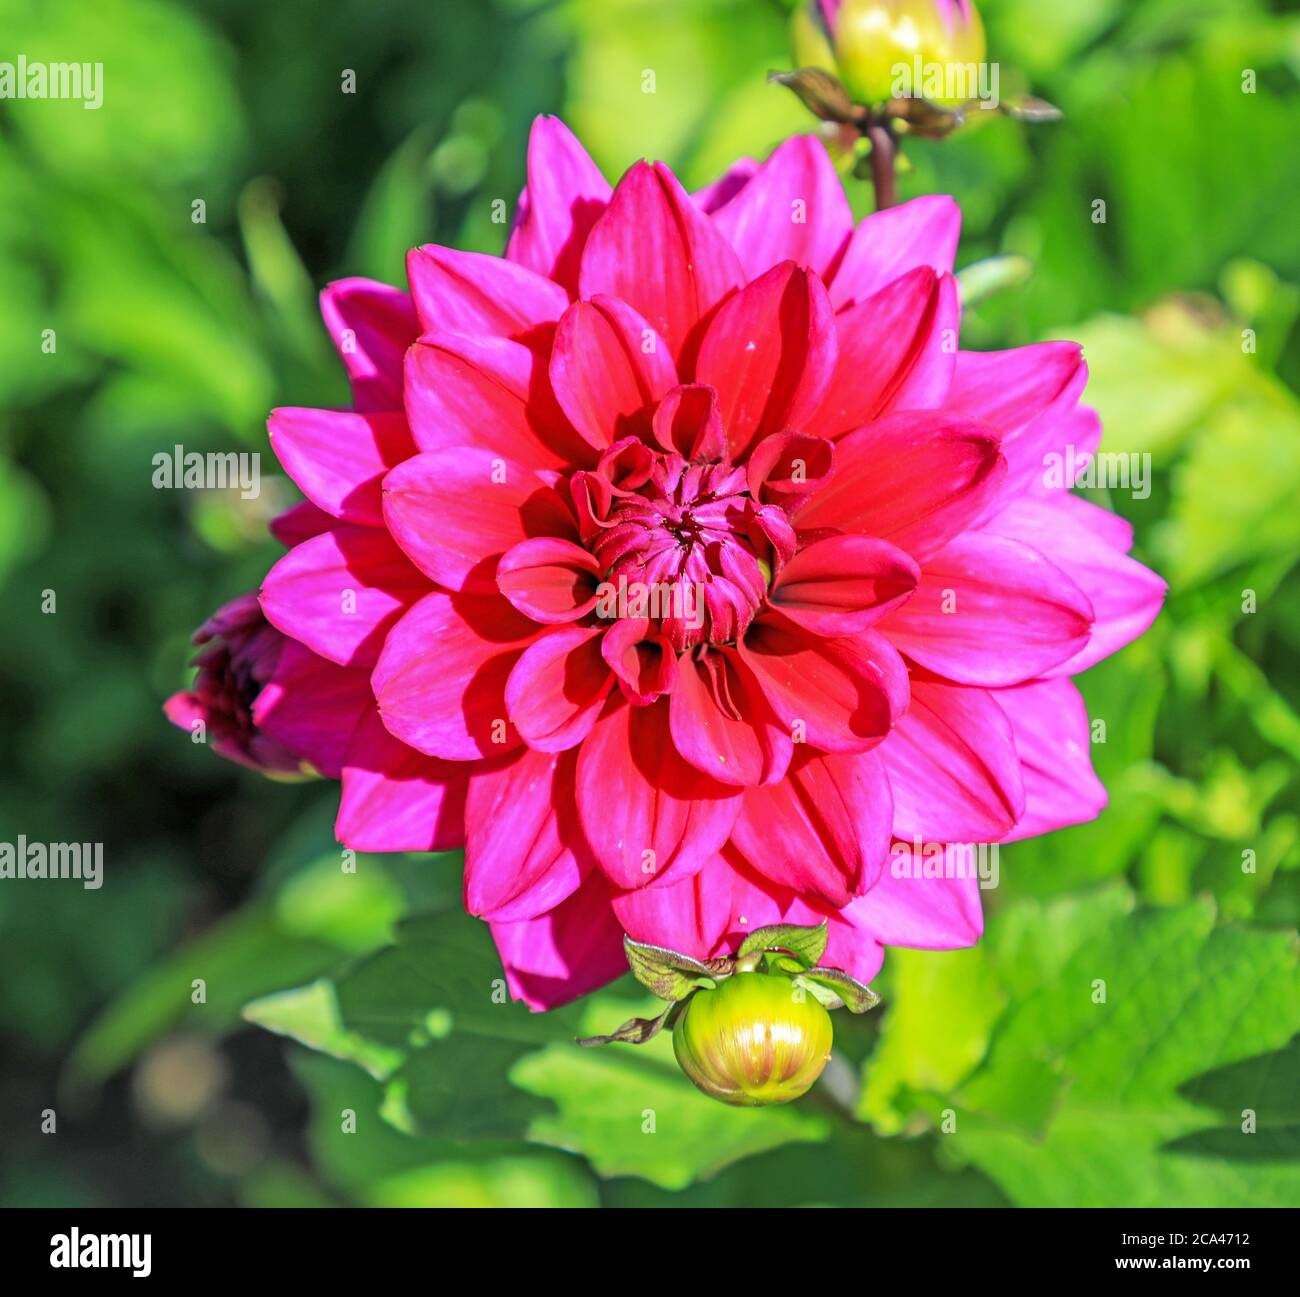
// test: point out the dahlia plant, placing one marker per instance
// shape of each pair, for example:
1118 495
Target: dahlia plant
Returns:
680 567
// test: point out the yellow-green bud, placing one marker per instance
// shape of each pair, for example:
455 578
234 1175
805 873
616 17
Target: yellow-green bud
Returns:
755 1039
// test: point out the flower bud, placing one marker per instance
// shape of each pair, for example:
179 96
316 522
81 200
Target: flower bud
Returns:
875 46
755 1039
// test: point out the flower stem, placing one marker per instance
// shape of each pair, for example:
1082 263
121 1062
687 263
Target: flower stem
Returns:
884 151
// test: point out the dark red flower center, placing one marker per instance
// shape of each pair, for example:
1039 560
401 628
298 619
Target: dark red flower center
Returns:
681 547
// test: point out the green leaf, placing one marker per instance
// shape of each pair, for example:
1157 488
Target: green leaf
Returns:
806 944
665 973
848 992
632 1112
310 1015
1091 1091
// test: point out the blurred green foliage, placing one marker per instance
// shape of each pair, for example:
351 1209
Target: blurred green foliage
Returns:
990 1076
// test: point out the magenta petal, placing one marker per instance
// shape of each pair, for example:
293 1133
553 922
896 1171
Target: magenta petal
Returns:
372 325
557 687
471 292
1030 395
891 242
440 681
525 853
953 766
726 186
564 196
656 251
991 611
455 512
769 353
693 915
921 906
916 479
721 723
397 799
311 706
793 209
645 666
338 458
490 393
548 579
844 584
647 814
608 369
1088 543
841 695
897 350
824 829
566 952
339 592
1050 723
687 421
300 522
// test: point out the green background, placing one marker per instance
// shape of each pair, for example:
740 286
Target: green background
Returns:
990 1076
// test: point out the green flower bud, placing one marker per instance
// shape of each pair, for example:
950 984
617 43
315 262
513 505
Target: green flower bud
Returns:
755 1039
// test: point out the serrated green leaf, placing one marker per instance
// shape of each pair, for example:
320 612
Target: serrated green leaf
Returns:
807 944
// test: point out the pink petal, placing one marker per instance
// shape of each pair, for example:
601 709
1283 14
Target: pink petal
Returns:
897 350
338 458
788 465
916 479
721 723
916 904
565 953
1028 394
549 580
844 584
1088 543
1050 723
525 853
340 592
794 209
823 830
991 611
440 681
565 195
471 292
491 393
646 813
891 242
688 422
372 325
608 370
654 249
556 689
726 186
953 766
397 799
455 512
769 353
841 695
312 706
646 667
300 522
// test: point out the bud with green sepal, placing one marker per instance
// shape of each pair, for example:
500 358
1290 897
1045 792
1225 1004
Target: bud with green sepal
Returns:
879 69
751 1028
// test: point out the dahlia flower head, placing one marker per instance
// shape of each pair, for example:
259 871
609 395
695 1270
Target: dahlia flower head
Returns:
680 567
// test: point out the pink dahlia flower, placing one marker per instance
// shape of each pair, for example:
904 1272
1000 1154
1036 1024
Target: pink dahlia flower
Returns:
677 564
